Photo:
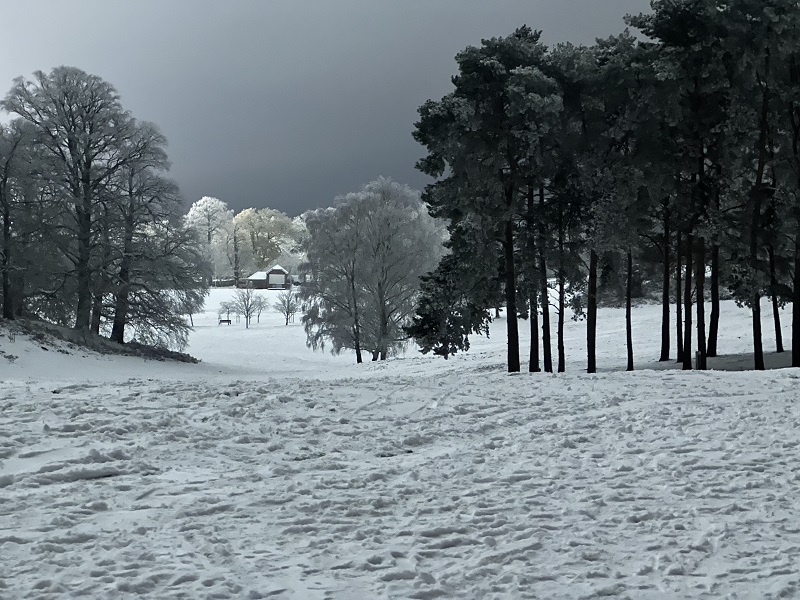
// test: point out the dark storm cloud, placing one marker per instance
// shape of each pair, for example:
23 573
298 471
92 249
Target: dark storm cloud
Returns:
288 103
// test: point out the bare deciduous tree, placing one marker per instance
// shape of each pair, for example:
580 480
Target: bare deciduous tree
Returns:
288 304
246 302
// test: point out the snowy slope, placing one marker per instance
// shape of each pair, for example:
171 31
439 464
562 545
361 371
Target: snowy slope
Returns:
268 470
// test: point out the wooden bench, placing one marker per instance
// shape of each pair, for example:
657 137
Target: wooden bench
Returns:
226 321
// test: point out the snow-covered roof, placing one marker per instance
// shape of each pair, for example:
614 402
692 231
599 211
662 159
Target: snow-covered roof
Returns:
263 274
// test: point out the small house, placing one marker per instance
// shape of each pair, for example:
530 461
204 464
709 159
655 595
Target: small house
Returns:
277 278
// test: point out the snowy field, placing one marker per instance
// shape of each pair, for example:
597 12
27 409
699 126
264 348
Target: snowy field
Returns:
271 471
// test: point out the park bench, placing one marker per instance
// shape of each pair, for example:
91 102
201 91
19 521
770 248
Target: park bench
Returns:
226 321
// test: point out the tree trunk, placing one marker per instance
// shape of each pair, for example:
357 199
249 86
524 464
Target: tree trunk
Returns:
713 327
545 302
121 303
121 297
628 324
511 299
687 306
5 202
701 305
794 117
678 301
755 223
665 300
97 312
796 304
533 362
384 348
237 272
776 311
758 347
83 268
561 291
8 306
18 293
356 323
591 315
560 334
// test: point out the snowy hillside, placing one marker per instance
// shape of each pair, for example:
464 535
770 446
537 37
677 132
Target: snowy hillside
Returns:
270 471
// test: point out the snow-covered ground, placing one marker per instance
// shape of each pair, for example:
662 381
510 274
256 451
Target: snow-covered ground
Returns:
271 471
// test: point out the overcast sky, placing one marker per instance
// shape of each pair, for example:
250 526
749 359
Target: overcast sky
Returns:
284 103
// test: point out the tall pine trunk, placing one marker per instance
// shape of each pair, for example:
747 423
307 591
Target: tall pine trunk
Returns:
687 306
678 302
794 117
628 324
776 310
701 304
533 361
796 304
560 343
758 346
561 289
665 299
755 223
591 315
545 299
713 326
511 299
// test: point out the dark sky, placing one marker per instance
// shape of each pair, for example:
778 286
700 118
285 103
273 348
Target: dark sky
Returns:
282 103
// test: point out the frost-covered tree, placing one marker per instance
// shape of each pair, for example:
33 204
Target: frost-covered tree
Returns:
266 233
212 220
227 251
365 259
207 216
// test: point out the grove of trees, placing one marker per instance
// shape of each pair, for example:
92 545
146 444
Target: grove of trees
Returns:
584 172
237 245
93 233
